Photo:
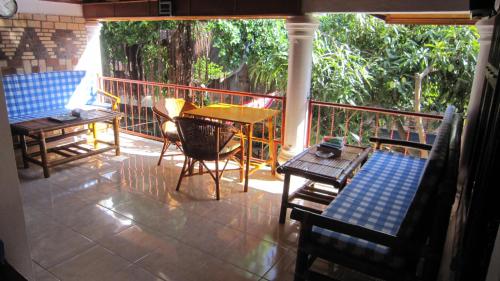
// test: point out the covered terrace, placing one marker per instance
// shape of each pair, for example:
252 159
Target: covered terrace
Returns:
110 217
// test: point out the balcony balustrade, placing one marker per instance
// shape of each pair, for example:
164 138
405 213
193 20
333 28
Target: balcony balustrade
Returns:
355 123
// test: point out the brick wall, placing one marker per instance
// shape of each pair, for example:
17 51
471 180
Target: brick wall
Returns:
39 43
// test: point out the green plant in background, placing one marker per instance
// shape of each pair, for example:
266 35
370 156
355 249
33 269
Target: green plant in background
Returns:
357 59
262 45
205 70
379 62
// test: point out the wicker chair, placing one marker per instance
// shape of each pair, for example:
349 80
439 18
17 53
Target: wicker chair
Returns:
205 140
165 110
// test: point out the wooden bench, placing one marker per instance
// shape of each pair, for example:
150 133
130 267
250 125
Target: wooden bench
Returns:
390 221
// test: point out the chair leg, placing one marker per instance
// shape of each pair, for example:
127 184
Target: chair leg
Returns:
300 266
191 166
183 171
200 169
217 192
166 145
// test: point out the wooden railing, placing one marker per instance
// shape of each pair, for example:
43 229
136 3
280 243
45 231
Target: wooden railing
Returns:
355 123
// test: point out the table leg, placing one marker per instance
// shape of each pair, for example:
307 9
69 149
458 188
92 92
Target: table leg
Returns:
272 150
249 153
43 154
242 156
116 131
24 150
94 134
284 198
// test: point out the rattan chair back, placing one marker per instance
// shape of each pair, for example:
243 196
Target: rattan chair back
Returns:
203 139
166 109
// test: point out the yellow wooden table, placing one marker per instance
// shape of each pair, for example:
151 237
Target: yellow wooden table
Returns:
247 116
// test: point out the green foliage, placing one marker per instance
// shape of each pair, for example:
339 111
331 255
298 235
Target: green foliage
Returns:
261 44
206 70
145 35
373 63
357 59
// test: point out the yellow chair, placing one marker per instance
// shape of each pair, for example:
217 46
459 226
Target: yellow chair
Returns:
165 110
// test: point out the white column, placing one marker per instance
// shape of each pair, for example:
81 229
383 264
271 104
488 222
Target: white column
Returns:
300 47
485 29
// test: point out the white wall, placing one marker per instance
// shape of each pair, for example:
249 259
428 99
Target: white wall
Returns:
49 8
12 225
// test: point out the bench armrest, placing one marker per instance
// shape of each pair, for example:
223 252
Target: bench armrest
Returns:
403 143
115 100
309 219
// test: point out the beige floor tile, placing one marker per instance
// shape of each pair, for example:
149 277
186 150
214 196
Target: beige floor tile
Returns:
284 269
91 189
95 221
133 243
130 207
43 275
53 243
134 273
32 189
94 264
57 201
252 254
173 221
116 198
264 226
216 270
174 260
209 236
143 210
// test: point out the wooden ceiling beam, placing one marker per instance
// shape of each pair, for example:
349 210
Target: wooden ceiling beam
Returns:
192 9
429 19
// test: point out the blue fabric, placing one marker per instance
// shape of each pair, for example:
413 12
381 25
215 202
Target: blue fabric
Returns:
33 94
434 171
37 115
377 198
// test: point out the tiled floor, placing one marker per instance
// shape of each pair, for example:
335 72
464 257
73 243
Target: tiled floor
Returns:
120 218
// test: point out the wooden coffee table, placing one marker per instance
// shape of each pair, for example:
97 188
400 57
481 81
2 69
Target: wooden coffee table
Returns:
38 129
332 171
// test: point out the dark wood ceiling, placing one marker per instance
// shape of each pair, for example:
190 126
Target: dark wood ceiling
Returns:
208 9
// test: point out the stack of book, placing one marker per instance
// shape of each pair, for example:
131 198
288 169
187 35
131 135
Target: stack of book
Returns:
331 145
333 142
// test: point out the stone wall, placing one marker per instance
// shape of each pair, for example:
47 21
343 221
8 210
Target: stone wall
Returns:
39 43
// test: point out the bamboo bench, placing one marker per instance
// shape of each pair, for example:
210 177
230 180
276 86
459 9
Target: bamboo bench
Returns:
390 221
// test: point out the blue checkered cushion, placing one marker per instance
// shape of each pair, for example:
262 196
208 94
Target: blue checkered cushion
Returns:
377 198
433 173
39 94
37 115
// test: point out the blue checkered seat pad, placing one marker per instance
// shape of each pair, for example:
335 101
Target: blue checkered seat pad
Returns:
377 198
39 95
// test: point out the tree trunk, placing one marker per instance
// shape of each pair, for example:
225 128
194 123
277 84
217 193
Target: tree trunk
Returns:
418 95
181 55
